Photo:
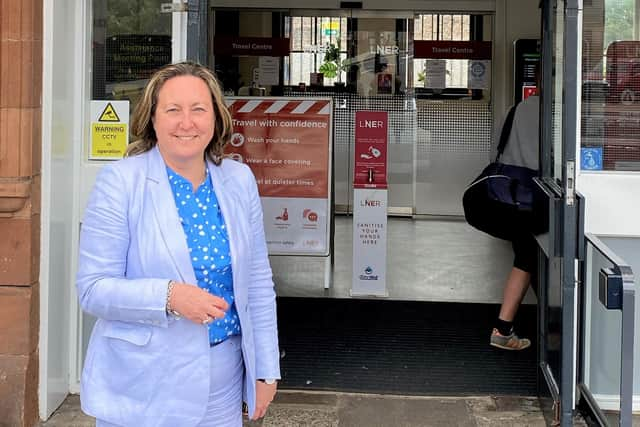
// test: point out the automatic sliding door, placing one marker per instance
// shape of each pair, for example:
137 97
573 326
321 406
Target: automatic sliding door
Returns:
380 64
454 112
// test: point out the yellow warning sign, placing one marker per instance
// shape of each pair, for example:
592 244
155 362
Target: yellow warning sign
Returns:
109 114
108 140
109 129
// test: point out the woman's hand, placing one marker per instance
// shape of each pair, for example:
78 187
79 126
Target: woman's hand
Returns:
264 396
196 304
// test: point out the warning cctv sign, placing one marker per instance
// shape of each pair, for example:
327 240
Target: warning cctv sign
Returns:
109 114
109 129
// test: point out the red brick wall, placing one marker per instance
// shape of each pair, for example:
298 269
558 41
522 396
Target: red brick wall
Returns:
20 147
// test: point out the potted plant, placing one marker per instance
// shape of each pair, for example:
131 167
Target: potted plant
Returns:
333 64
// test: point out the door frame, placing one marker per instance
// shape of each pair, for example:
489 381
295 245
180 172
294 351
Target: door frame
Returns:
84 174
564 210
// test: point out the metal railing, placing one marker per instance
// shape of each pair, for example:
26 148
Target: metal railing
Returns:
616 291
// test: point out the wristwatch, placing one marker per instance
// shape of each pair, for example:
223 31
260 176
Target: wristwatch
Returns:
268 381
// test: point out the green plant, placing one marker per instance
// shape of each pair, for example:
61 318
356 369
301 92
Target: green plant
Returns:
333 65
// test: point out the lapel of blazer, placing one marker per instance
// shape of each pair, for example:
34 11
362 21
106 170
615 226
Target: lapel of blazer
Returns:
167 216
227 202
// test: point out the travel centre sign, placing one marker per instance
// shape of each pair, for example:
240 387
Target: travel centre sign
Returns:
287 144
452 49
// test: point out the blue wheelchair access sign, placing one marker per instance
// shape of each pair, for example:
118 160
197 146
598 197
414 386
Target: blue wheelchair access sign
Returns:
591 158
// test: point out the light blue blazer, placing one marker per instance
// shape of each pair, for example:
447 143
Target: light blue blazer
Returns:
144 367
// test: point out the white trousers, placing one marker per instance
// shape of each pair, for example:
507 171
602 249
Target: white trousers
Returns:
224 408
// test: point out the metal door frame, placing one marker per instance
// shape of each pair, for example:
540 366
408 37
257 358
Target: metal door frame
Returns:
563 201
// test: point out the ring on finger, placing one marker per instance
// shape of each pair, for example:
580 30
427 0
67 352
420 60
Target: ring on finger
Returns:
207 320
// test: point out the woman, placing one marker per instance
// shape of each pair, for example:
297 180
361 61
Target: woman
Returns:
173 263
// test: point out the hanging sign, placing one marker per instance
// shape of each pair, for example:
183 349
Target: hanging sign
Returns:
251 46
109 129
370 204
287 144
451 49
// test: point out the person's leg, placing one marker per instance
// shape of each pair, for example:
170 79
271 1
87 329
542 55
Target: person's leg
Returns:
514 291
525 257
225 390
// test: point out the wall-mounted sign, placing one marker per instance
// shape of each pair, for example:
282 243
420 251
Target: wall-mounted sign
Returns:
135 56
385 49
251 46
452 49
109 129
269 67
526 54
479 74
330 28
591 158
287 144
527 91
435 73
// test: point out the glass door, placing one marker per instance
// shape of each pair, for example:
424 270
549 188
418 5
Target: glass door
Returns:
363 61
557 266
452 80
130 40
380 72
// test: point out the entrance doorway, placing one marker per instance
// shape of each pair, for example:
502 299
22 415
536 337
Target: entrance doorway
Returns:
415 67
440 119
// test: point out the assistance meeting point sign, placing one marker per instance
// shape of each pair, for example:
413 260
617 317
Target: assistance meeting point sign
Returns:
109 129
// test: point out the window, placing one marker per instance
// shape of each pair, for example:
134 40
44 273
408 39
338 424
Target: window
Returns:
443 28
311 39
131 39
611 87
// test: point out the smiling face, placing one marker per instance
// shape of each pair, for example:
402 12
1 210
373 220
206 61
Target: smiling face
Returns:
184 121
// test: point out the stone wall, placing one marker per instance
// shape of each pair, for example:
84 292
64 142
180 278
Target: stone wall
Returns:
20 148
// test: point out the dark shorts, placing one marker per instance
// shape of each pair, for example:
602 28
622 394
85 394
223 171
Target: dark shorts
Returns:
525 249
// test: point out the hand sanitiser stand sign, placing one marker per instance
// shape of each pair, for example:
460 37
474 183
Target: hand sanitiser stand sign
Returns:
370 204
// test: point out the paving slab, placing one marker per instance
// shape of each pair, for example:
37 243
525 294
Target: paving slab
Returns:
325 409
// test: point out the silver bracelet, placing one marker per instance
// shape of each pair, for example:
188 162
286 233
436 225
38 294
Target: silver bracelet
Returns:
168 303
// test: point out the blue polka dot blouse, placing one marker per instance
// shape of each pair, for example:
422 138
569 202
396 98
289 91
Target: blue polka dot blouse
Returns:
209 249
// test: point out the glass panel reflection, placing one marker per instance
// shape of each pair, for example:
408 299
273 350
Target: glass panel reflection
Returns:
610 87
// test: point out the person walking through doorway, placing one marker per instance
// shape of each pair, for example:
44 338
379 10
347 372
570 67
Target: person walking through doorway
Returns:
521 150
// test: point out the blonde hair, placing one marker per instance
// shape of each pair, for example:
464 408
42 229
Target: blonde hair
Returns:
141 122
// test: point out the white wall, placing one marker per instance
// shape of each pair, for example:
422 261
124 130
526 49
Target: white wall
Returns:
514 20
612 202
